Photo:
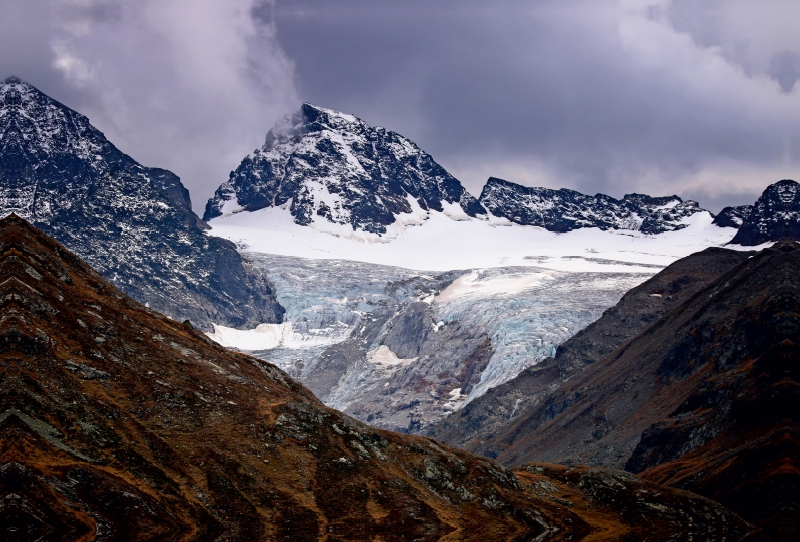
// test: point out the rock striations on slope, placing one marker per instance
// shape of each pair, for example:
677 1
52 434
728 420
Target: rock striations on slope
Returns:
330 166
706 398
117 423
774 216
134 224
565 210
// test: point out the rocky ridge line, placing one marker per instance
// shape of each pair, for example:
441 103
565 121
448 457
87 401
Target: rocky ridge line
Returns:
565 210
774 216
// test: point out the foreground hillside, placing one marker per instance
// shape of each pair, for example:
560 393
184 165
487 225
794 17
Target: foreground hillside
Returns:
119 424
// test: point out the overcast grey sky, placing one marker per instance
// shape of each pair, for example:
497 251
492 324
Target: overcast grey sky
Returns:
694 97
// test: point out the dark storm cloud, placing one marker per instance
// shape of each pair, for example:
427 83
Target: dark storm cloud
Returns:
698 98
599 96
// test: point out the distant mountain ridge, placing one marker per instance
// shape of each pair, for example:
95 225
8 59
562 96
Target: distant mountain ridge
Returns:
733 217
134 224
331 167
564 210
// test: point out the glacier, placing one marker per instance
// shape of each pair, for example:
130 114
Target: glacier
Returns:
399 348
388 345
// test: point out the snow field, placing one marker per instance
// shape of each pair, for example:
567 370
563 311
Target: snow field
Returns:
443 241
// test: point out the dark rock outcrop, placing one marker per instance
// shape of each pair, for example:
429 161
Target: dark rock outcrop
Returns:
774 216
332 165
565 210
733 217
117 423
648 512
134 224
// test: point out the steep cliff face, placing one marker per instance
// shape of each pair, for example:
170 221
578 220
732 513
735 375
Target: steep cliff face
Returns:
774 216
331 167
134 224
565 210
117 423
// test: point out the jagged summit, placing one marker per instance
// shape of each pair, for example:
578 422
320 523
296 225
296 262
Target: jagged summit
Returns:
775 215
314 113
733 217
328 167
565 210
134 224
117 423
12 80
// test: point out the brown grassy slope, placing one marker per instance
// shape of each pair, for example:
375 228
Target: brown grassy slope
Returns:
117 423
621 507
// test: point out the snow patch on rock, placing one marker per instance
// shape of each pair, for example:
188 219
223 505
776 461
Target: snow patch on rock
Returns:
385 358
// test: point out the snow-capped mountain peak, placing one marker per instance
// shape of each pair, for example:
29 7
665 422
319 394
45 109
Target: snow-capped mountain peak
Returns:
327 185
334 172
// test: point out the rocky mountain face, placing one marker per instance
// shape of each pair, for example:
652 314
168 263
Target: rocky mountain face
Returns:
774 216
332 169
733 217
704 399
325 165
134 224
565 210
493 423
117 423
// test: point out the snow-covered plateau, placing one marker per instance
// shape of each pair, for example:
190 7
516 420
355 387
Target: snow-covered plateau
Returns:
438 241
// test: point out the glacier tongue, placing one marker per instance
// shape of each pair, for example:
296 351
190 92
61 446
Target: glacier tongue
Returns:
400 348
527 312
